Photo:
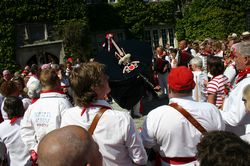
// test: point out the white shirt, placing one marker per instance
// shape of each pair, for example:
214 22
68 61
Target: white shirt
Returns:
199 91
246 137
234 113
193 52
115 133
204 62
230 73
18 154
169 131
220 54
42 117
167 58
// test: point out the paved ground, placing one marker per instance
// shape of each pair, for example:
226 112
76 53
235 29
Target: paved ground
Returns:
138 122
148 106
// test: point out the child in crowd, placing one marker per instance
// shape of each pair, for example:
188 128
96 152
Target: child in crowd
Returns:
219 85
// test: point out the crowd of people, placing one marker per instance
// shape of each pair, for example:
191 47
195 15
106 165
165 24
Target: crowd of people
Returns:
59 116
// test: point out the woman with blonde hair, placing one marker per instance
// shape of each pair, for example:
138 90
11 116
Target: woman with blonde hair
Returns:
246 100
246 97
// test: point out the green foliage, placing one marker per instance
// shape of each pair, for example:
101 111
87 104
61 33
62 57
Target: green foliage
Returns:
74 20
136 15
213 18
161 13
75 34
103 17
56 12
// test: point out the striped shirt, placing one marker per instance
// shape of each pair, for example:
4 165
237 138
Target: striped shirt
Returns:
217 87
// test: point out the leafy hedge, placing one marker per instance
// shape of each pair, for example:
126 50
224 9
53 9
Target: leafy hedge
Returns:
137 15
213 18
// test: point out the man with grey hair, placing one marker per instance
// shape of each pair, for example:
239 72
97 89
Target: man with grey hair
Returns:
7 75
245 36
200 79
234 112
69 146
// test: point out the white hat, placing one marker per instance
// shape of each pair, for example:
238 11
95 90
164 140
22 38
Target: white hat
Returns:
234 35
246 33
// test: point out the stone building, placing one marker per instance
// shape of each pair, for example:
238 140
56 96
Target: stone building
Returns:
37 43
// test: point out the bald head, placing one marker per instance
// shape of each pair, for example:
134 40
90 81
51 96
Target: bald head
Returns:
68 146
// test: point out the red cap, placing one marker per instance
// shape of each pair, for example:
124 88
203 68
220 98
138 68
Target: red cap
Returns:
181 78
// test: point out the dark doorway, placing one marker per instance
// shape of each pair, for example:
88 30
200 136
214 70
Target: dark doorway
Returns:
45 58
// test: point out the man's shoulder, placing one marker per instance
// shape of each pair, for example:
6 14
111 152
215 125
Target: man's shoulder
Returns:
53 98
5 128
118 114
245 80
207 105
72 110
160 111
241 85
194 107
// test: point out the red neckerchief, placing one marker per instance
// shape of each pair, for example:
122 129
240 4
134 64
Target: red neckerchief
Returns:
34 100
242 74
14 119
94 105
49 91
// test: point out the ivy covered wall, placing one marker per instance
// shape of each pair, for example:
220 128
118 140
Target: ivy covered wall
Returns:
74 20
213 18
61 13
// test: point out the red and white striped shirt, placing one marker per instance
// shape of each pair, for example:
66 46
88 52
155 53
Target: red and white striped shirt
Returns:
217 87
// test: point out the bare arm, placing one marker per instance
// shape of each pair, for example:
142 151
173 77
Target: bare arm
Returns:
211 98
